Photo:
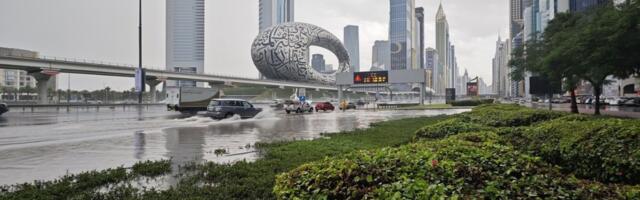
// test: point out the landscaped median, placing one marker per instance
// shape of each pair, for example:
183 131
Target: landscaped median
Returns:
494 152
242 180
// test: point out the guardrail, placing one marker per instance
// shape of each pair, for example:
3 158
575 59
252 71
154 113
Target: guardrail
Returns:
87 107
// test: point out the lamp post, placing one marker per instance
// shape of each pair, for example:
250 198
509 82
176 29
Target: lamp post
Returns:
140 73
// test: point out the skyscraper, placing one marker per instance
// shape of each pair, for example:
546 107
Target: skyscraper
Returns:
401 33
516 22
318 63
352 44
582 5
431 63
443 48
420 29
381 58
185 38
501 84
273 12
453 71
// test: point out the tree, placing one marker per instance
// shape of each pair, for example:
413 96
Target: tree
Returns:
605 40
561 58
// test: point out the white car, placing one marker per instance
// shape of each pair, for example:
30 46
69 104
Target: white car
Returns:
298 107
613 101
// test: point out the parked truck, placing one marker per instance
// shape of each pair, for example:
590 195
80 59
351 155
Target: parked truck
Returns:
190 99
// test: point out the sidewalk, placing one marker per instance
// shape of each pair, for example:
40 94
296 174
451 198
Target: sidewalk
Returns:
614 111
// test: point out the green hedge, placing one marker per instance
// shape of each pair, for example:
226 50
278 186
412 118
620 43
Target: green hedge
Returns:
449 127
606 150
472 102
468 165
509 115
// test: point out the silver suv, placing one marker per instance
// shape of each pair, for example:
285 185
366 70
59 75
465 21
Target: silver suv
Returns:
226 108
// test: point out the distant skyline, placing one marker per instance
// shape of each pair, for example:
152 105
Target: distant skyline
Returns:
107 31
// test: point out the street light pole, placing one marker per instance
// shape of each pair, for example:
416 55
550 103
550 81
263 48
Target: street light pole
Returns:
140 93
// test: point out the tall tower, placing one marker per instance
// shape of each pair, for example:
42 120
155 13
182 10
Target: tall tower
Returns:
274 12
401 34
516 17
318 62
352 44
443 48
381 56
431 64
185 38
420 29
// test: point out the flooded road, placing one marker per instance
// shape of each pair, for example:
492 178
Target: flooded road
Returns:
46 145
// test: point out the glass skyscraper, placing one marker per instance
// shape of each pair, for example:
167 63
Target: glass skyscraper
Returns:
381 56
401 25
185 38
273 12
352 44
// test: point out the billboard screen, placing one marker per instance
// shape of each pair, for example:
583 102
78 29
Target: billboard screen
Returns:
140 80
541 86
472 89
450 95
379 77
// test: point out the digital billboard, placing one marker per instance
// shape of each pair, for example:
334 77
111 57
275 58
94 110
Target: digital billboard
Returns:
379 77
472 89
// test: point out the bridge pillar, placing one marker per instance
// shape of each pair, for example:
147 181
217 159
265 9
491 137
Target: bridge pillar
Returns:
153 84
340 95
42 86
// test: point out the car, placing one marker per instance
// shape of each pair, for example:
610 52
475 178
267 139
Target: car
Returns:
324 106
3 108
348 106
278 104
613 101
631 102
297 107
226 108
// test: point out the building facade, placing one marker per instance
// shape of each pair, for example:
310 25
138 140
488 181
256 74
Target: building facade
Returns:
432 64
443 47
402 34
381 58
501 81
273 12
352 43
185 38
318 62
421 34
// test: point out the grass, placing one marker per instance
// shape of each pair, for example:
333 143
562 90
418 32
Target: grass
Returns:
241 180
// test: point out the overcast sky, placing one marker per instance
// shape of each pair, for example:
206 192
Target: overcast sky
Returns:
106 30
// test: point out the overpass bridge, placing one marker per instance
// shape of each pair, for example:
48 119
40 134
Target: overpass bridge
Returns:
38 67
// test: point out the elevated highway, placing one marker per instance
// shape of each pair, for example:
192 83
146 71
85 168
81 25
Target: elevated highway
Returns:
39 68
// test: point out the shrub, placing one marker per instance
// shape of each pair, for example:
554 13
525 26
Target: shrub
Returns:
472 102
606 150
468 165
448 127
152 168
509 115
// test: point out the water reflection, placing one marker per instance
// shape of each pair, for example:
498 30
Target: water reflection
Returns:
139 145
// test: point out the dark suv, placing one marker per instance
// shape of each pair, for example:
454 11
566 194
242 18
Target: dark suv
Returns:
226 108
3 108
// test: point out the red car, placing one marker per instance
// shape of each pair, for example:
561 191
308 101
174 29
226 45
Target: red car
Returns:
324 106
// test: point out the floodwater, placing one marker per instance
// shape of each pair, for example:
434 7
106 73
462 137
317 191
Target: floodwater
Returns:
48 144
